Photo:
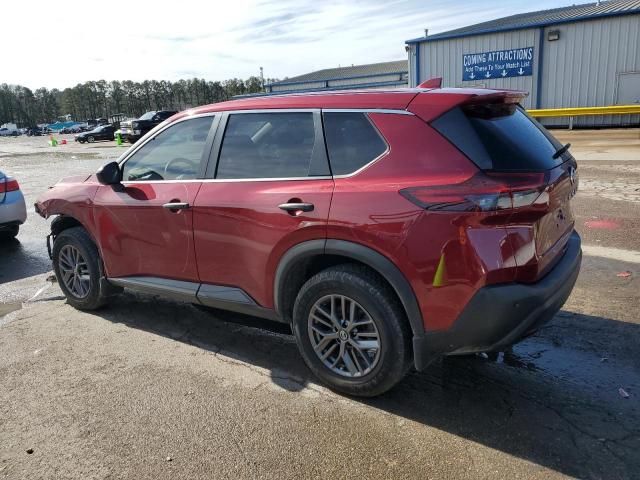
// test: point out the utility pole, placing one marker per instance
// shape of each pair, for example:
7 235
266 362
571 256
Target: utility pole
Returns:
262 78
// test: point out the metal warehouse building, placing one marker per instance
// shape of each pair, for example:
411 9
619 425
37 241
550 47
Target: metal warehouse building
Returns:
374 75
579 56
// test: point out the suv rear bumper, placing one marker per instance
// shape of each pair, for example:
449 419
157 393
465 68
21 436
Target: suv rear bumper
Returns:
500 315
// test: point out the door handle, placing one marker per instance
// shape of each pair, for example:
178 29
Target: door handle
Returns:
296 207
175 206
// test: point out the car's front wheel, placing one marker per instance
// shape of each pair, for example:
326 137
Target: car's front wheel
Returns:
351 330
78 268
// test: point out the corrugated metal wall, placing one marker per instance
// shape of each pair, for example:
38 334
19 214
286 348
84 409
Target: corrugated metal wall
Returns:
443 58
581 69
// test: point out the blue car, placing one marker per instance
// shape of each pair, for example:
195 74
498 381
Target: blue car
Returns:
13 211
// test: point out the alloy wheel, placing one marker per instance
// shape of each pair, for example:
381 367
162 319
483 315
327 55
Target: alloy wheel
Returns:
74 271
344 336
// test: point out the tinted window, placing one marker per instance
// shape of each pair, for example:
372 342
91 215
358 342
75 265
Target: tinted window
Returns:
164 115
173 154
351 140
500 137
267 145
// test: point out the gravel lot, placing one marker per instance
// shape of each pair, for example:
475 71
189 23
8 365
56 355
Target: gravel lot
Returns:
153 389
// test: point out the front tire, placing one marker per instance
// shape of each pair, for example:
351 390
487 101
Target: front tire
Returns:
351 331
78 268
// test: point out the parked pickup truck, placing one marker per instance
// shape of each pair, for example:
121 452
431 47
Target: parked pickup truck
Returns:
132 130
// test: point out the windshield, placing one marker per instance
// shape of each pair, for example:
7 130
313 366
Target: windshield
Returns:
147 116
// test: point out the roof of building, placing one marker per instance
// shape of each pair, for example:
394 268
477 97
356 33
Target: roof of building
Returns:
355 71
573 13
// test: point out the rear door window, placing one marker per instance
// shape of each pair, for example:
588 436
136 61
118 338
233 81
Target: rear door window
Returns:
352 141
500 137
267 145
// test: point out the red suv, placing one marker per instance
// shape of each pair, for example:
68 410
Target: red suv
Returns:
388 228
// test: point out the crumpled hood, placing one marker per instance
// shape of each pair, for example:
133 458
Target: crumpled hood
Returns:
63 197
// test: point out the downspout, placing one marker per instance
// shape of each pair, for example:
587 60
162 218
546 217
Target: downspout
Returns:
417 63
539 78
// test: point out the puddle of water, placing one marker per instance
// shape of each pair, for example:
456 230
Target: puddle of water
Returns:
580 368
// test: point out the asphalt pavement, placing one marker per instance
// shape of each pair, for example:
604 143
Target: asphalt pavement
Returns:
147 388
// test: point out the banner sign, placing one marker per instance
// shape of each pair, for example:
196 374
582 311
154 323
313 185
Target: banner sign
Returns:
516 62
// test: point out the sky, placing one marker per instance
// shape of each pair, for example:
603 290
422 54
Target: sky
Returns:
60 44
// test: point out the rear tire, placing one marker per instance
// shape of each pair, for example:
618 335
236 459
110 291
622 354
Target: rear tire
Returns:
78 268
90 139
9 233
365 360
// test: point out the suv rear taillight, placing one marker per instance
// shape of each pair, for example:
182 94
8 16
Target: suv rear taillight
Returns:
8 184
484 192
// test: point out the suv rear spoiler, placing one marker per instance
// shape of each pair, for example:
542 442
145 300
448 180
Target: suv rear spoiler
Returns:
433 103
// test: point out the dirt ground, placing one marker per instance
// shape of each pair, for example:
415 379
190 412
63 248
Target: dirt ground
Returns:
148 388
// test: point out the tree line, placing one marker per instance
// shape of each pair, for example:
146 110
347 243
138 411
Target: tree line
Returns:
96 99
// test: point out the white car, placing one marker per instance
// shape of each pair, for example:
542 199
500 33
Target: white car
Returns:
5 132
13 211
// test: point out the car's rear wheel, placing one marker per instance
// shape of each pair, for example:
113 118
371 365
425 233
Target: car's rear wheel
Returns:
352 331
78 268
91 139
9 232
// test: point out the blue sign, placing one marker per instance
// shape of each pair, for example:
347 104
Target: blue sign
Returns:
516 62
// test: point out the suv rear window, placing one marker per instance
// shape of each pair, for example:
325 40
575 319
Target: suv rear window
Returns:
500 137
352 141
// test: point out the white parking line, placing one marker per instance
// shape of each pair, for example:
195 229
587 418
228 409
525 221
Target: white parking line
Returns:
631 256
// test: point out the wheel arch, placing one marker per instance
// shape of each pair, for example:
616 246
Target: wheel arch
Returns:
293 268
64 222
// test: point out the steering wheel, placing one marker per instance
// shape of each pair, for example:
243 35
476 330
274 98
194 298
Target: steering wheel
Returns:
192 166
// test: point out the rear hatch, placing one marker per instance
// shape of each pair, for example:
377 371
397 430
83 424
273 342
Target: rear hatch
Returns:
514 150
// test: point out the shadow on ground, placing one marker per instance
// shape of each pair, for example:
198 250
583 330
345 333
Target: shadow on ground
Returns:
554 400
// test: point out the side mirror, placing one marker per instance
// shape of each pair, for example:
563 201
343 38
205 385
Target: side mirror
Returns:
109 174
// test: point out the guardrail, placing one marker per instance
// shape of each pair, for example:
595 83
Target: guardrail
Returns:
584 111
